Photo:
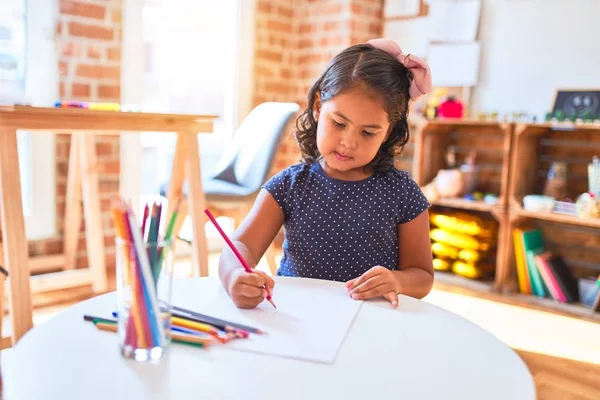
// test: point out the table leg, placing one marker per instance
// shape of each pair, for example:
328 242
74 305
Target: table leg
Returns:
14 240
91 206
73 205
197 204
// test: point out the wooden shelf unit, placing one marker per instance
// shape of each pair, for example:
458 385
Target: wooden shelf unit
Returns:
514 159
493 141
576 239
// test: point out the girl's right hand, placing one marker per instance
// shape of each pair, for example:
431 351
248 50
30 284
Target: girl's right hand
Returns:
246 289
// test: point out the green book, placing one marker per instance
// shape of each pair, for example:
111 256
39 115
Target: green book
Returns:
533 244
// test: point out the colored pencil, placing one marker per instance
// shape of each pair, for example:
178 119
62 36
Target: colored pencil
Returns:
144 218
153 239
235 251
175 336
95 319
148 286
120 222
168 235
198 326
142 297
222 327
216 321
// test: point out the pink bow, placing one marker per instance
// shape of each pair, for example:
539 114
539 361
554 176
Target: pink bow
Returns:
421 83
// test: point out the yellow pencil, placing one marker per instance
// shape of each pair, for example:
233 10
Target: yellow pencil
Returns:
198 326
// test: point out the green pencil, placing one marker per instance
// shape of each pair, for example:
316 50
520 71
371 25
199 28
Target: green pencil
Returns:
168 235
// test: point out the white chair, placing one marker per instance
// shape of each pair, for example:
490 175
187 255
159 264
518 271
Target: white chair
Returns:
246 164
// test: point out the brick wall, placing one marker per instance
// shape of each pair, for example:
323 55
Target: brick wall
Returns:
295 39
89 45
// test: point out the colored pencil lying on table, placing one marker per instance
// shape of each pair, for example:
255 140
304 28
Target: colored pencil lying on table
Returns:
235 250
223 327
178 337
216 321
198 328
103 324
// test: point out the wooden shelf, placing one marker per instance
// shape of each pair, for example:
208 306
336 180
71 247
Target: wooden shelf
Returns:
560 218
474 205
550 305
454 121
536 129
449 280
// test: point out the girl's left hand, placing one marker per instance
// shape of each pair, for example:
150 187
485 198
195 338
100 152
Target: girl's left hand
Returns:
378 281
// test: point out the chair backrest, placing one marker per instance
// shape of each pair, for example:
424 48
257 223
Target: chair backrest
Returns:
248 158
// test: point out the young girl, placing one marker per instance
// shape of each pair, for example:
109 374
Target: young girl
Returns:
348 214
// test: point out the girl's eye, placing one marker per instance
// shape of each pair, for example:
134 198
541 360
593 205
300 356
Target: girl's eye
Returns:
369 134
338 124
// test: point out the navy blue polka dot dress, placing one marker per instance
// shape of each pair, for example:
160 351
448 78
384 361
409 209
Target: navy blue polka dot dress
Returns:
337 230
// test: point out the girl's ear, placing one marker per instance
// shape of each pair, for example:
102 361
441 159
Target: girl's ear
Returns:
317 106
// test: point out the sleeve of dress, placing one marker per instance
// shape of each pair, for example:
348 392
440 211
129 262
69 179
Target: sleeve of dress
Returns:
414 202
279 187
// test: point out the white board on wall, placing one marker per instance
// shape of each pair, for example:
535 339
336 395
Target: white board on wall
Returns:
454 64
401 8
410 34
454 21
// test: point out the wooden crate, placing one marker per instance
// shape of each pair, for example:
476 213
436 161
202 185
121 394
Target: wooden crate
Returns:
405 160
493 141
536 147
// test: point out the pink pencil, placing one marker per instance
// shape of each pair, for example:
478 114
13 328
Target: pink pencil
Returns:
235 250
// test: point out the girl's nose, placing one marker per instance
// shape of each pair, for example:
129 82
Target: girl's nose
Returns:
348 141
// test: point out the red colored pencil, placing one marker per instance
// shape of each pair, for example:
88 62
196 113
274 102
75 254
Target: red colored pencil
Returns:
144 218
235 250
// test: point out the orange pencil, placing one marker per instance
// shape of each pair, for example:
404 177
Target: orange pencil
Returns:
119 222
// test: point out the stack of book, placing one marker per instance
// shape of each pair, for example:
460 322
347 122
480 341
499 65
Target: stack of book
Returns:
541 272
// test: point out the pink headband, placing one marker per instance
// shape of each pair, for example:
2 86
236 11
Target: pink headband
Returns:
421 83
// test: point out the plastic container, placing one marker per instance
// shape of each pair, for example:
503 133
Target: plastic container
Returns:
538 203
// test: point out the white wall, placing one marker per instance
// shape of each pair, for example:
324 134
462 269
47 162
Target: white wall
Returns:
529 48
532 47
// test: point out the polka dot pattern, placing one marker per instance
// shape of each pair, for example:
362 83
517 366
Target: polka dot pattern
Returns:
337 230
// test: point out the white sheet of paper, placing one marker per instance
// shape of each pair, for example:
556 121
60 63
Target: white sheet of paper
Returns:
454 21
454 64
310 322
401 8
410 34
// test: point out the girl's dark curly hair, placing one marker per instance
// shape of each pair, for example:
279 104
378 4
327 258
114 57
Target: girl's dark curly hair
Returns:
376 70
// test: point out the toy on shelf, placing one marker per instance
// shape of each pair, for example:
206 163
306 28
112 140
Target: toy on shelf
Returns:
461 243
556 181
588 206
453 182
450 108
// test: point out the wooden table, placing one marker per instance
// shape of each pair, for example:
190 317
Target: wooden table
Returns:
417 351
83 181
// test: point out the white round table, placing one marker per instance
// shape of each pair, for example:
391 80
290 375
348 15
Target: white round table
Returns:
417 351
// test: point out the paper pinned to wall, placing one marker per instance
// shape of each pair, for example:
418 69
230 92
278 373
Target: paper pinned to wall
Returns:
454 64
310 323
401 8
410 34
454 21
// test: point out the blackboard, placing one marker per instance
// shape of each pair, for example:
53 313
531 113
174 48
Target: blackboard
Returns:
583 104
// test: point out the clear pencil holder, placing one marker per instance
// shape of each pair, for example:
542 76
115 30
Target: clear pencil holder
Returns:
144 282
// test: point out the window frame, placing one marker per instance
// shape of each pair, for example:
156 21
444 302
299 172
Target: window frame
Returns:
36 163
